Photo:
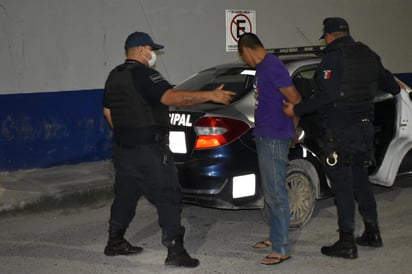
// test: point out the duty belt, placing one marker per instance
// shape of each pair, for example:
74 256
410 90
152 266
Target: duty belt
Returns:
143 140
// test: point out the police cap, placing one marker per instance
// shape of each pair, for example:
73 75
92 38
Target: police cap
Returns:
138 38
334 24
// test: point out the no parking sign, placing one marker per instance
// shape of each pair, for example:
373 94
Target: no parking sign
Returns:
237 23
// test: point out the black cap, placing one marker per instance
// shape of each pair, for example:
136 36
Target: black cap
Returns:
137 39
334 24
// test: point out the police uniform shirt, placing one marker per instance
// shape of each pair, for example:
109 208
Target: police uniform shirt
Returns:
151 85
149 82
328 80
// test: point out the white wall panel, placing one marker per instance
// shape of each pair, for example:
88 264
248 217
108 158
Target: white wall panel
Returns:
55 45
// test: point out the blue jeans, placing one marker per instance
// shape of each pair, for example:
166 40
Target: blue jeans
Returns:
273 159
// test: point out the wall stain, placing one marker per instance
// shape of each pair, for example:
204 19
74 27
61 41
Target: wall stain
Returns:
51 130
7 128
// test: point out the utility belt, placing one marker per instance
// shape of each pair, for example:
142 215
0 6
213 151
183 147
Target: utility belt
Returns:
135 138
354 104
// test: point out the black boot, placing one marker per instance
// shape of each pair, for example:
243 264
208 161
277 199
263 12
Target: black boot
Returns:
371 236
117 245
345 247
178 256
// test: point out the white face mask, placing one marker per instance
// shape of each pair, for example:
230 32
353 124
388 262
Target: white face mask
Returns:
152 61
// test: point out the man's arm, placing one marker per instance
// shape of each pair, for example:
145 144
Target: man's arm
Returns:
387 82
327 78
291 93
180 98
108 116
293 97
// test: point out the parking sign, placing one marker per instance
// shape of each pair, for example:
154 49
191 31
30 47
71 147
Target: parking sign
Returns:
237 23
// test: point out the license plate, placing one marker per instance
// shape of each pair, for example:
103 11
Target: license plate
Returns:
177 142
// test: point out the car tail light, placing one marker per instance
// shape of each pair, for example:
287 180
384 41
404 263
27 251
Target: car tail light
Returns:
214 131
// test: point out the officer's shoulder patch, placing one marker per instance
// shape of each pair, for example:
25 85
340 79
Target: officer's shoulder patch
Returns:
327 73
156 78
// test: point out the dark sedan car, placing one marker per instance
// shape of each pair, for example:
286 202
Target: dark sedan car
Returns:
215 151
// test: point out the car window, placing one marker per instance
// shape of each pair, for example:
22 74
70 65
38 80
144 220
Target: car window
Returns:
233 79
196 81
304 81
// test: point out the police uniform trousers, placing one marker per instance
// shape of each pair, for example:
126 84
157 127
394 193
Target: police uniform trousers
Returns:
147 170
349 178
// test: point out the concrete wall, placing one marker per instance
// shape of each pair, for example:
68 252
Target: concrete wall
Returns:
51 49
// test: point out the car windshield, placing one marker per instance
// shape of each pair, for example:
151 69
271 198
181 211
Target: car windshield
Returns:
239 80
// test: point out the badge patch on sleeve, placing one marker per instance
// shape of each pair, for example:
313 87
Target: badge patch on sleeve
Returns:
156 78
327 74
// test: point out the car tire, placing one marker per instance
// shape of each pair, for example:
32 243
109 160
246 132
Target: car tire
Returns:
302 197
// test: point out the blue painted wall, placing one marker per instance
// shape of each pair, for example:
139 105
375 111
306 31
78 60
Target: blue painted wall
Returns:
54 128
405 77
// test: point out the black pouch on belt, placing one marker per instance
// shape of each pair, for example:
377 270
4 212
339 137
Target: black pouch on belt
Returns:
329 149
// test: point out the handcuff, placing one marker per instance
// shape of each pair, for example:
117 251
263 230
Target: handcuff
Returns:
332 159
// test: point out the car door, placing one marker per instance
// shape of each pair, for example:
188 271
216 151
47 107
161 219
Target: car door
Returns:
393 135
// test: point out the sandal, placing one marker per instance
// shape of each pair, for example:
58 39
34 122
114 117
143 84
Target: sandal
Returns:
263 244
272 260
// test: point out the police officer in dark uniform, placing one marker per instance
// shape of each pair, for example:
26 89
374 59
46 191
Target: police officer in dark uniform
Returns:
136 100
347 79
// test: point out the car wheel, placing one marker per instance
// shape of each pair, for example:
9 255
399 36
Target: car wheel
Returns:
302 197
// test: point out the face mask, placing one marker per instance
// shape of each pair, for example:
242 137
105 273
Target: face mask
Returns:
152 61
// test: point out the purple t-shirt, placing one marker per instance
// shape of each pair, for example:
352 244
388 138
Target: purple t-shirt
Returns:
270 120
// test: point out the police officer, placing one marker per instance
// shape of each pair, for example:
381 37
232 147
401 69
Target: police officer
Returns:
136 100
347 79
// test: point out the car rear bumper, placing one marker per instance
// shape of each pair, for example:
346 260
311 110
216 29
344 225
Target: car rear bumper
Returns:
214 201
202 187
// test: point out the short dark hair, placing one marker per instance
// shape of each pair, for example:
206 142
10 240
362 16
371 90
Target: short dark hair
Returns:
249 40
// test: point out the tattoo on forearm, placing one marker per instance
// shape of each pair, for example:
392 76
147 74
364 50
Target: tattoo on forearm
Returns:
192 100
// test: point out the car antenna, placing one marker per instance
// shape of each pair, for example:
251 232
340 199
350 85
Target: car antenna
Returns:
304 36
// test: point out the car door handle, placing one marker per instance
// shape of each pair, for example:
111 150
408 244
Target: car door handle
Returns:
403 123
